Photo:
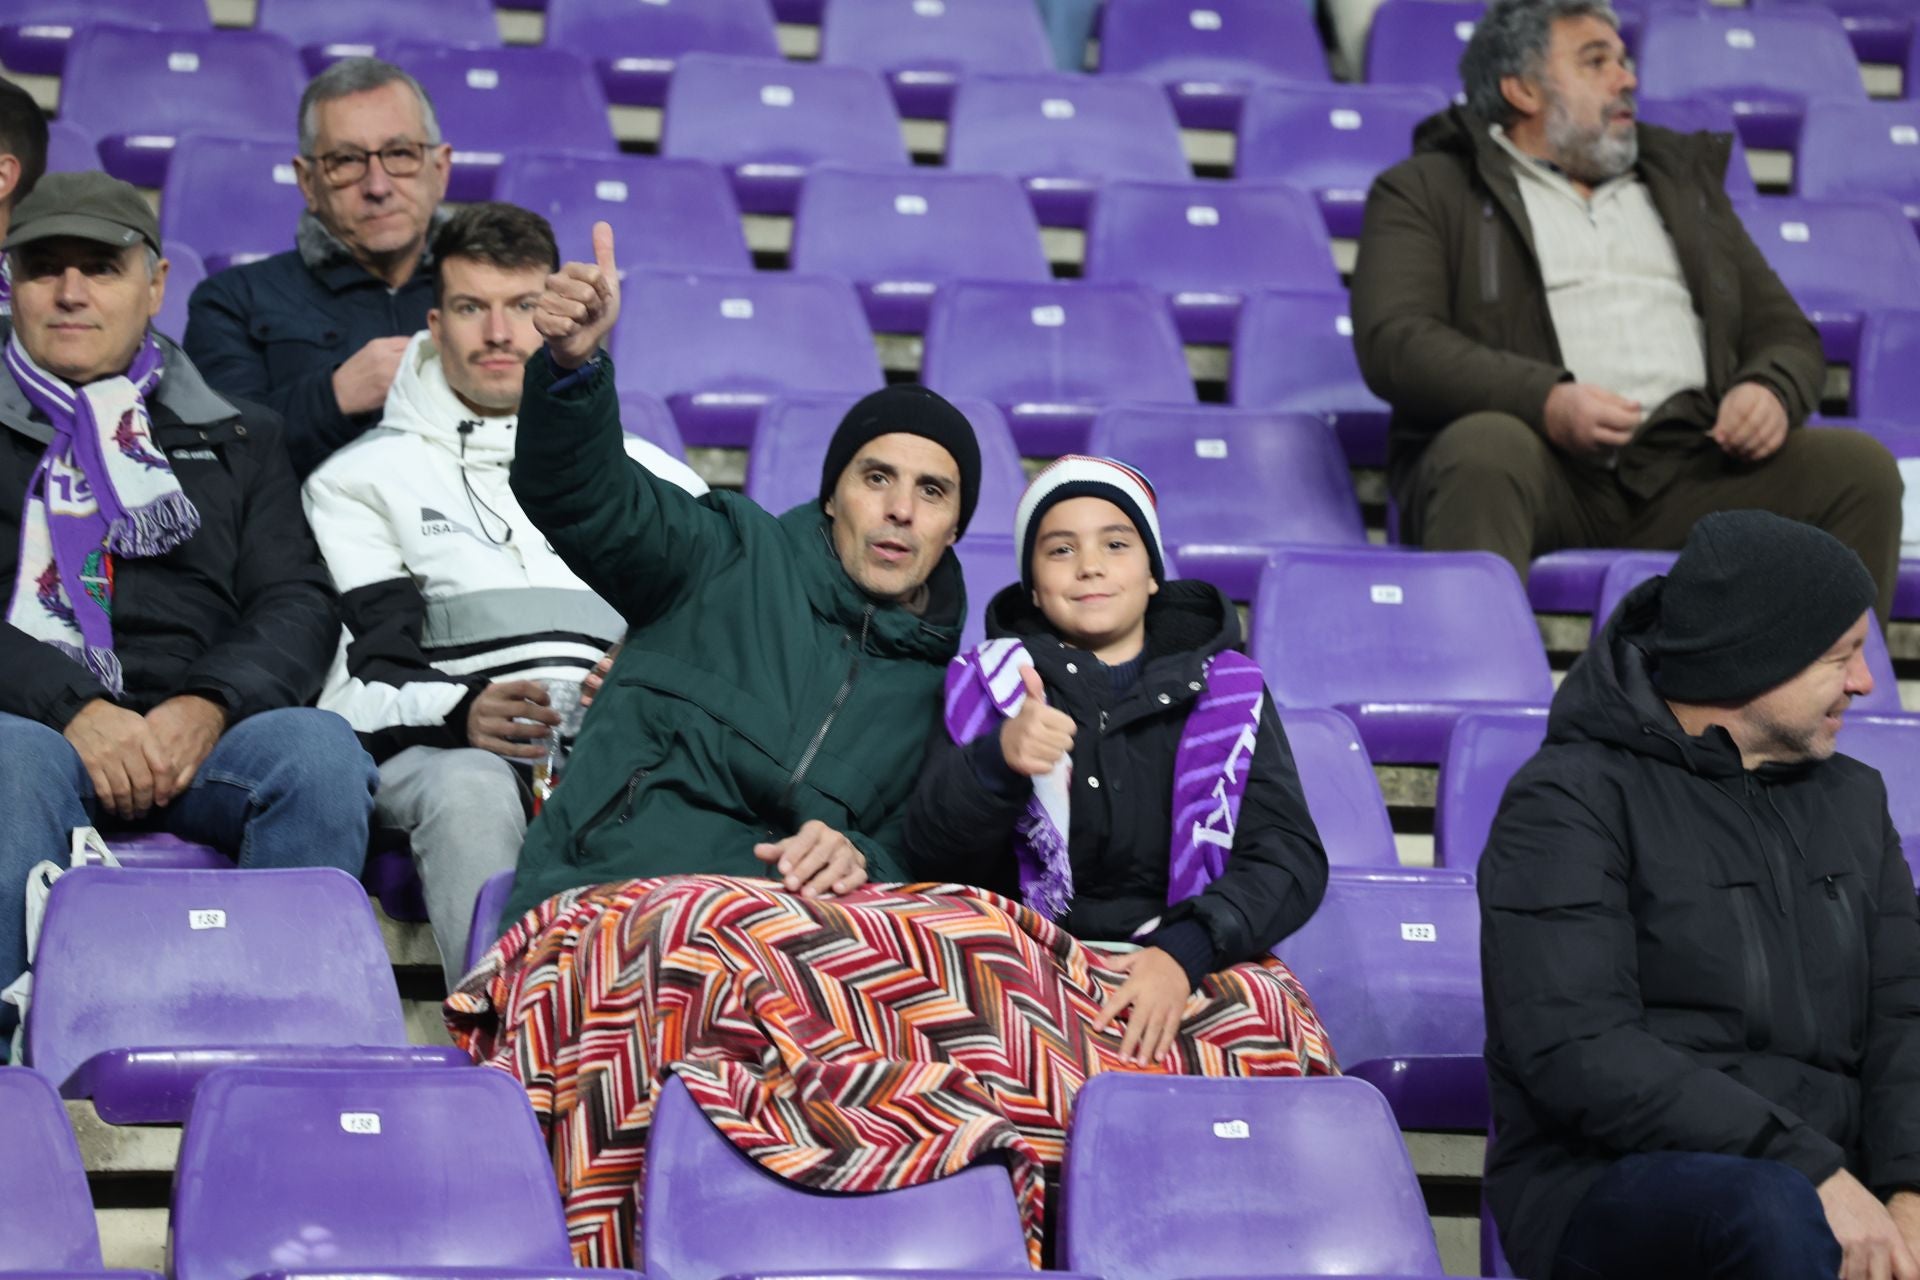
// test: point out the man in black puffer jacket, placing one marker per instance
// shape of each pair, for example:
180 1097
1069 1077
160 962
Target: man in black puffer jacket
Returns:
1699 943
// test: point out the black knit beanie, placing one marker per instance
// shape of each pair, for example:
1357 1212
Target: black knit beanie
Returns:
906 409
1753 599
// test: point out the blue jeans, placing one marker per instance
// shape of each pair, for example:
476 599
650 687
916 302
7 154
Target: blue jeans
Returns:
1069 25
1694 1216
288 788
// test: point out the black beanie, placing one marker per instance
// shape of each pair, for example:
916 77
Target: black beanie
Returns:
906 409
1753 599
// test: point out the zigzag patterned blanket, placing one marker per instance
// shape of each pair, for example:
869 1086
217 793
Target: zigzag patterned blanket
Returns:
937 1022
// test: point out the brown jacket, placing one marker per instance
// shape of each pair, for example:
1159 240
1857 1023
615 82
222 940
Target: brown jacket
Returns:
1450 315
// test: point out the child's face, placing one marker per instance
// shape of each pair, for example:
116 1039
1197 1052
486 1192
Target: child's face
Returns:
1091 575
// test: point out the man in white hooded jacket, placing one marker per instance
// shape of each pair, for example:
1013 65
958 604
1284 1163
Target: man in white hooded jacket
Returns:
456 608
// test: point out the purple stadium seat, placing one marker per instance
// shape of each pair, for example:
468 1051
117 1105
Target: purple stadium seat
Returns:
1484 752
925 49
1862 150
47 1226
1891 744
1886 372
487 924
1050 355
482 98
185 270
1062 136
767 121
335 29
634 47
1568 581
138 91
1765 64
1235 485
1189 1176
1209 53
1708 115
145 981
1392 961
899 234
390 879
664 213
649 418
1879 30
376 1173
1206 244
1300 359
1493 1258
700 1188
1331 140
1840 258
159 851
989 562
1420 42
1404 642
1343 795
232 199
717 346
783 466
34 34
70 149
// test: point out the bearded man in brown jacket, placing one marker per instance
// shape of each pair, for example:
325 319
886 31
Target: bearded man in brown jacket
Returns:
1581 344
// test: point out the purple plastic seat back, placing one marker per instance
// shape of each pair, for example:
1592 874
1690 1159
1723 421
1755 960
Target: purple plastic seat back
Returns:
46 1211
232 199
1891 744
1879 30
1235 485
138 91
34 34
899 234
649 418
716 347
924 50
488 924
70 149
360 1170
1392 961
1568 580
989 562
1332 140
481 98
1209 53
1486 749
1062 136
1766 64
700 1188
1343 795
161 851
1300 359
664 213
1840 258
1181 1176
1706 115
783 466
1861 150
1051 355
1402 641
184 272
1886 373
327 32
1205 245
766 121
1420 42
635 47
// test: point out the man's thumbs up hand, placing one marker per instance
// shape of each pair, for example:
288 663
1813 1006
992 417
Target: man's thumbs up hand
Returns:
580 304
1035 740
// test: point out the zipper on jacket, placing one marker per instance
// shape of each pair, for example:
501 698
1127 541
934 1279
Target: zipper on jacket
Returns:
621 800
833 710
1840 912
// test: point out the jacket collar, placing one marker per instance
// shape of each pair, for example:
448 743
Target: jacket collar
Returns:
333 264
182 392
422 404
891 630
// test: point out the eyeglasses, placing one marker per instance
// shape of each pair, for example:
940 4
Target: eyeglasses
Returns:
348 165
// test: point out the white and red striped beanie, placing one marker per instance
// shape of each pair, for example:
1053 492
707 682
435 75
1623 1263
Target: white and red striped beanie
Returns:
1079 475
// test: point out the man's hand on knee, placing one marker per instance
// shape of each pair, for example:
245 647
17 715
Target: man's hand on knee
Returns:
816 861
1583 419
181 735
112 742
1752 424
1872 1246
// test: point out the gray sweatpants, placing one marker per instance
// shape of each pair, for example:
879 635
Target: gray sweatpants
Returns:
460 808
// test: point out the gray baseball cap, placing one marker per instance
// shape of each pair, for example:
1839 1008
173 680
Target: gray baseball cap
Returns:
89 206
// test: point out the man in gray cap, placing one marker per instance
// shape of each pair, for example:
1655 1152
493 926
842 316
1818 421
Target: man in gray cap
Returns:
167 610
1699 944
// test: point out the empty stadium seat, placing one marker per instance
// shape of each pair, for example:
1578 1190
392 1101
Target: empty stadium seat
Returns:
330 30
1879 30
1205 244
1708 115
1886 371
1568 581
1190 1176
1420 42
635 47
232 199
1484 751
492 102
145 981
184 271
899 234
989 562
1343 795
162 851
1234 486
649 418
1298 358
1062 136
767 121
1859 150
137 92
1765 64
34 34
1403 642
925 49
46 1212
1050 355
1891 744
487 924
1209 53
1840 258
700 1188
664 213
1392 961
718 346
70 149
783 466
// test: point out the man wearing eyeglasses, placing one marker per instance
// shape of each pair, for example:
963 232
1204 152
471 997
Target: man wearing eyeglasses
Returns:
317 333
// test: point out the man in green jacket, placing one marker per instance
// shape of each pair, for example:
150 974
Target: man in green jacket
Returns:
1581 344
769 709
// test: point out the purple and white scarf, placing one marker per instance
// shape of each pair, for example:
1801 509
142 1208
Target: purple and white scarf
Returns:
1210 769
102 489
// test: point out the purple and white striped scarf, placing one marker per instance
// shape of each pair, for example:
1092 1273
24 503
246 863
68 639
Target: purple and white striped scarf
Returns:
102 489
1210 771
